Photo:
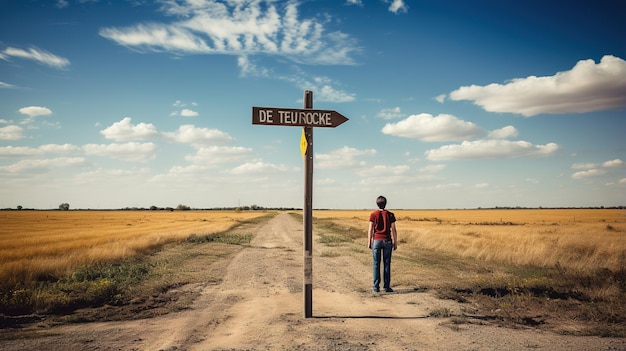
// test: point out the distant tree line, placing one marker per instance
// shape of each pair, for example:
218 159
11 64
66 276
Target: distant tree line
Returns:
66 206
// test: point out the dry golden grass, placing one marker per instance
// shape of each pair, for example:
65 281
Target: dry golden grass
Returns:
37 245
572 239
518 266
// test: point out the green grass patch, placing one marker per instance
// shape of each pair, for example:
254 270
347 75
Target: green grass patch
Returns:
333 240
225 238
89 286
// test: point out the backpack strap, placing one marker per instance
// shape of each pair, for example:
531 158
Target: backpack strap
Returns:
387 229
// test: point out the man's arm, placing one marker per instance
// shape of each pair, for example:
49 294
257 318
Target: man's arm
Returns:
370 235
394 236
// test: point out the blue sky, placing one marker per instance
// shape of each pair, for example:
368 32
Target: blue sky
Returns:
452 104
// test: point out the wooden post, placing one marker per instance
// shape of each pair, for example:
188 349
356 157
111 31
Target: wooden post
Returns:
307 118
308 213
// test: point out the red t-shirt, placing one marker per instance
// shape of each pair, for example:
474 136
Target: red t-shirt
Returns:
382 220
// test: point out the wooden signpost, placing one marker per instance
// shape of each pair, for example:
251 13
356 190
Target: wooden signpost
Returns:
308 119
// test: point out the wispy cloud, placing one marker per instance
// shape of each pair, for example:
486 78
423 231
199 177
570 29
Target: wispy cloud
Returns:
354 2
258 167
342 158
4 85
490 149
41 165
129 152
25 151
238 28
390 113
586 87
37 55
197 137
216 155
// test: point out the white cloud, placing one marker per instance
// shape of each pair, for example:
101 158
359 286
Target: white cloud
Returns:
432 168
447 186
440 98
249 68
354 2
100 175
325 181
584 165
613 163
622 181
4 85
341 158
34 111
238 28
129 152
58 149
215 155
11 133
586 87
25 151
326 93
18 151
428 128
588 173
190 134
41 165
398 6
481 185
322 86
258 167
490 149
124 130
503 133
188 113
390 113
37 55
383 171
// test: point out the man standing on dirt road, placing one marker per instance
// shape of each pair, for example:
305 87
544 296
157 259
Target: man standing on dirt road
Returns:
382 237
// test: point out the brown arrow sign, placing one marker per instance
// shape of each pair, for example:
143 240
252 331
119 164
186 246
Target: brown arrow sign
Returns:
274 116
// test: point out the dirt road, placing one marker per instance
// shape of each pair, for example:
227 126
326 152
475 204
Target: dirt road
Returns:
259 306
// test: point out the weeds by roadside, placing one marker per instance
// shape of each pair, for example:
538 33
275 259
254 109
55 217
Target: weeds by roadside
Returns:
485 268
111 283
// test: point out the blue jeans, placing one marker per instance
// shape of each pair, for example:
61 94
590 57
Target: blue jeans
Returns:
384 247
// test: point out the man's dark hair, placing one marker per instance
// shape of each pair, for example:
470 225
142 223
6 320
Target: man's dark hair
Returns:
381 201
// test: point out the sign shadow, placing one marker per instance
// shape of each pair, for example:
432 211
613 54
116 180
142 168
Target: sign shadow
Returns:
371 317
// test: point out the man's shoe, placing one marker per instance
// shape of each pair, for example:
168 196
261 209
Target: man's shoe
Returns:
388 290
375 290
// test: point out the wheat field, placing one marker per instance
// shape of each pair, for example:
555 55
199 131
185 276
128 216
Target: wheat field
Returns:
572 239
44 245
36 245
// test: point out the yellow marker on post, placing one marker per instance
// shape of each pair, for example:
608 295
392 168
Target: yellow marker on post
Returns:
303 143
